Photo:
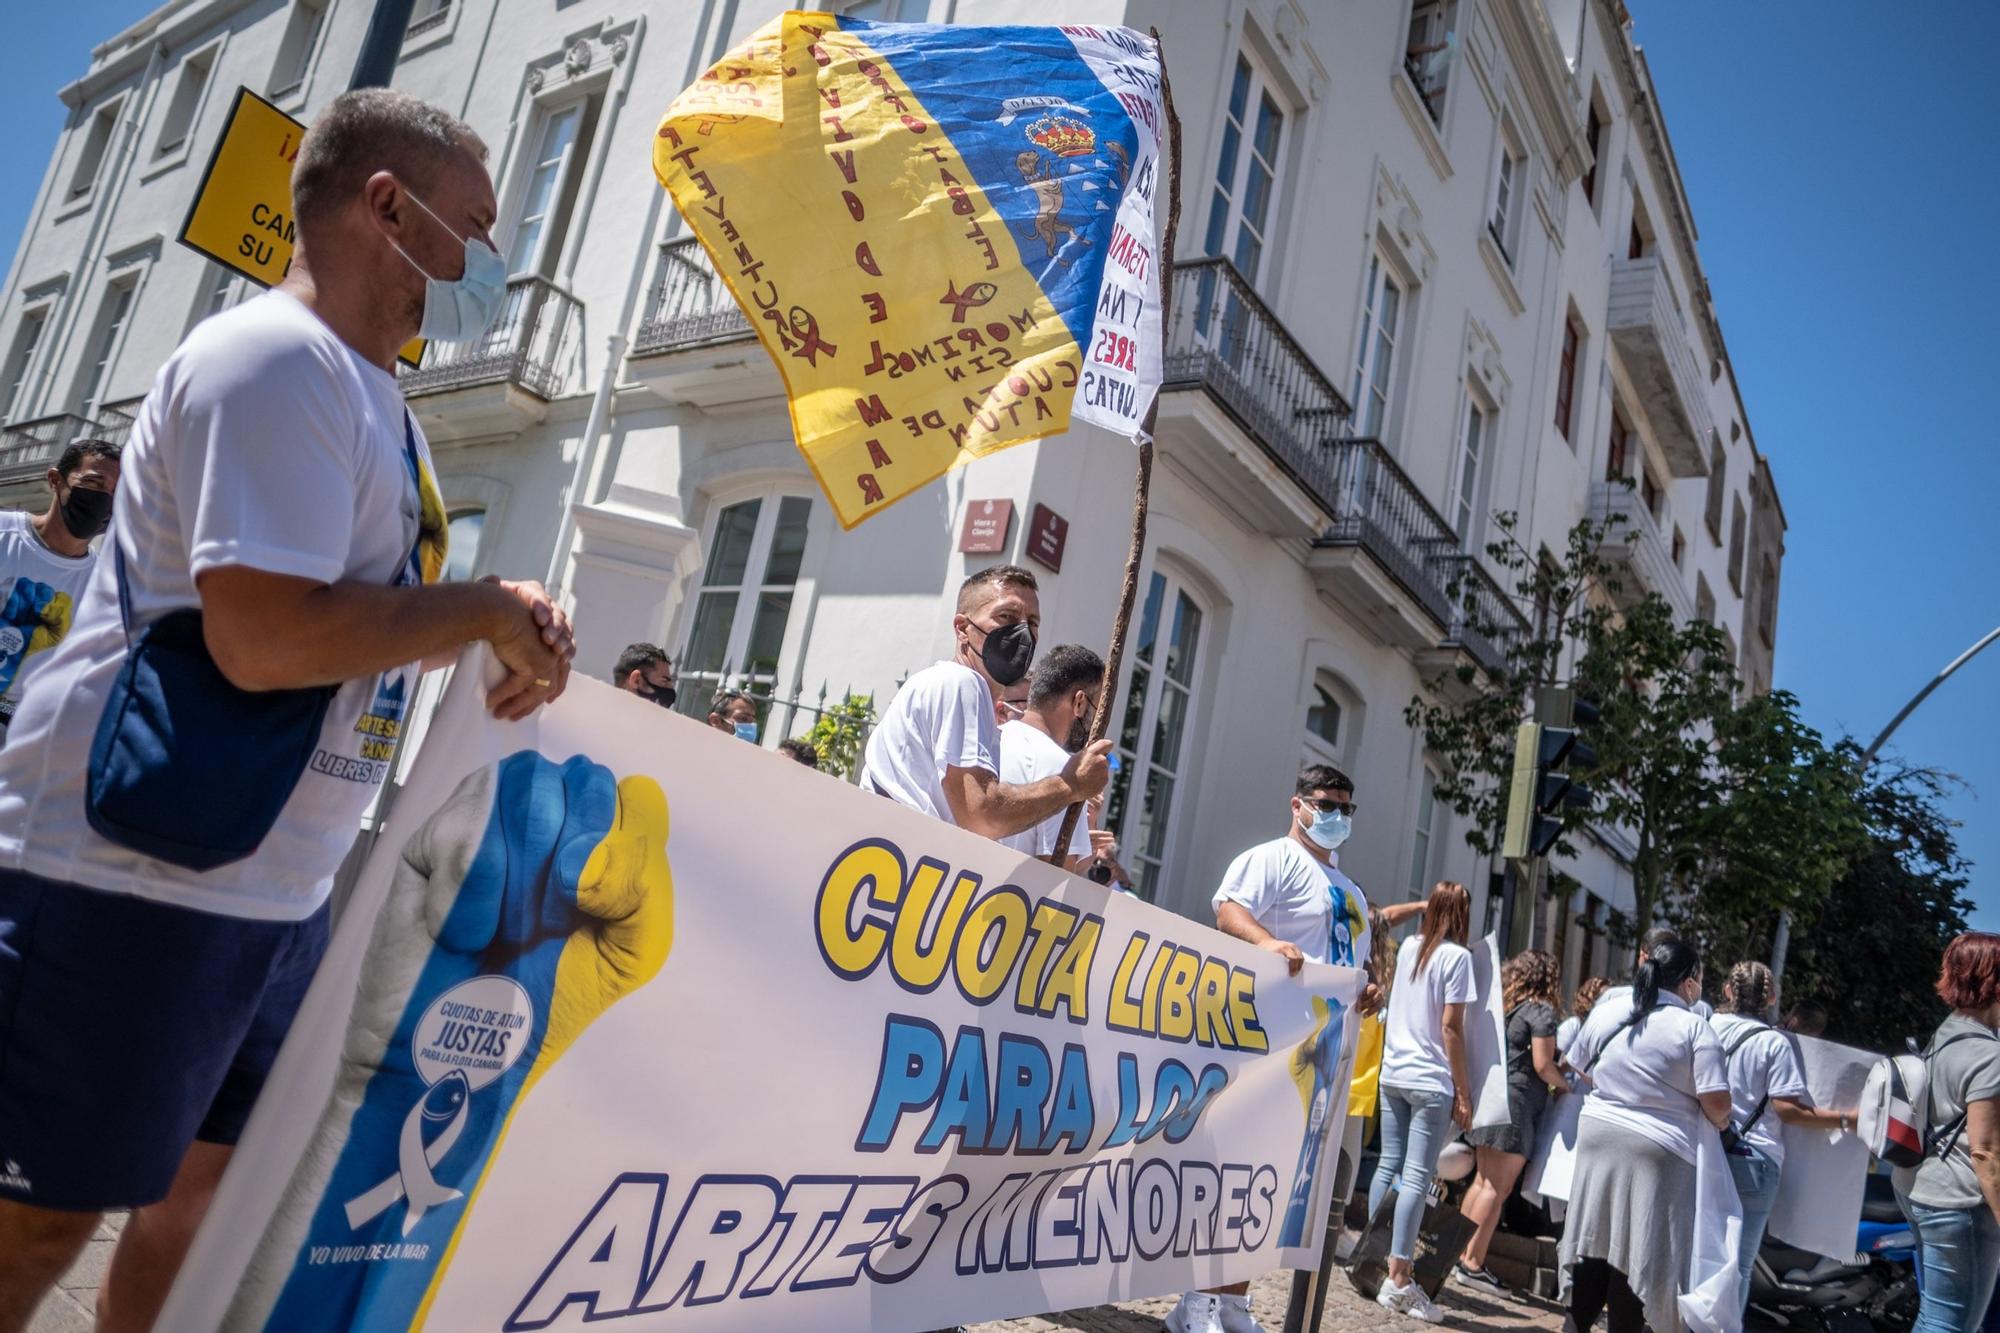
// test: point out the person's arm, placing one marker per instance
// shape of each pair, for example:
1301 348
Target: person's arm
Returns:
1546 1068
981 803
1233 918
1794 1112
1982 1129
1461 1072
278 631
1715 1105
1395 914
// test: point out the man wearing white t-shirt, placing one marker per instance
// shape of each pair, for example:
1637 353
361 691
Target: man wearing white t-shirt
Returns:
45 561
937 748
1053 725
277 488
1290 896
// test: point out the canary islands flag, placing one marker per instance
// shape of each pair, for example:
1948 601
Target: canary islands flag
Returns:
942 235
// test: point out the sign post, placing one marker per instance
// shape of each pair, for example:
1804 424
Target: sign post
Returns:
241 216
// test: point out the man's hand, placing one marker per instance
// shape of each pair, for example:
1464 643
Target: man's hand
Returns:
535 647
1286 950
1088 770
1103 844
1370 1001
1461 1109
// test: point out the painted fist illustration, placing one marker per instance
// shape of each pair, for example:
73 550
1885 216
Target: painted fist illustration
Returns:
534 899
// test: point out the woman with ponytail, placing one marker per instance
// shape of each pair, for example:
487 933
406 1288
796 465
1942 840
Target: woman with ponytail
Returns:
1425 1084
1656 1071
1767 1084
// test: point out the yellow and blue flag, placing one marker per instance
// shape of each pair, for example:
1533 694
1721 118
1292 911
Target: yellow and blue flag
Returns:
942 235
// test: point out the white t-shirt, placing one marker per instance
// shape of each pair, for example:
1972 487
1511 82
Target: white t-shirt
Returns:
1648 1075
1310 905
1029 754
942 718
39 591
1766 1064
1413 1054
266 443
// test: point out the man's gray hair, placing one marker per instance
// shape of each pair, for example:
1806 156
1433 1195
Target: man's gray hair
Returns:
370 130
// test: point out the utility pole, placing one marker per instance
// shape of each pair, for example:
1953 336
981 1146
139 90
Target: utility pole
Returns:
1781 942
376 64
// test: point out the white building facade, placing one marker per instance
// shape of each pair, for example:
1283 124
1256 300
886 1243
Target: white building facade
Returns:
1435 263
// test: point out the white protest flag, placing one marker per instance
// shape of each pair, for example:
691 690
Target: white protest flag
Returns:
1486 1038
1819 1195
630 1023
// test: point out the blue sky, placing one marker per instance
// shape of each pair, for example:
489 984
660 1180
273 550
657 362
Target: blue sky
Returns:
1843 160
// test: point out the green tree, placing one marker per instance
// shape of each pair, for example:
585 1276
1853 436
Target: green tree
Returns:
840 732
1870 952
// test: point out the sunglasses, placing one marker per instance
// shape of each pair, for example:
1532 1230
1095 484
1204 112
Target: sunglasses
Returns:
1326 805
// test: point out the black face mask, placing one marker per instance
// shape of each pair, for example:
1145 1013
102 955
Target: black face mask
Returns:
663 695
1007 652
86 513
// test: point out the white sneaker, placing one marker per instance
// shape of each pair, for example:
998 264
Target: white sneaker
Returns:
1198 1312
1408 1299
1236 1316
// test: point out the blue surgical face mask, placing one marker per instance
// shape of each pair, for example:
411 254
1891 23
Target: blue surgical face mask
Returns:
746 731
1329 828
463 308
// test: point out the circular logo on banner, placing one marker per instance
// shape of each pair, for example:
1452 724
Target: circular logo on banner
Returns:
11 640
478 1028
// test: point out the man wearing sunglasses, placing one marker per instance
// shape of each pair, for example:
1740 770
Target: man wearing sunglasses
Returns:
1289 895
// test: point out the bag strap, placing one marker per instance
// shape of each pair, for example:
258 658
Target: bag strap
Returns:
1625 1027
1941 1141
1762 1102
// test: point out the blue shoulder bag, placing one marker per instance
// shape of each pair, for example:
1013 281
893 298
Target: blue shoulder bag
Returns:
186 767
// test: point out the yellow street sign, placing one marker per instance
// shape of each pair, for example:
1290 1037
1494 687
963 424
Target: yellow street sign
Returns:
241 216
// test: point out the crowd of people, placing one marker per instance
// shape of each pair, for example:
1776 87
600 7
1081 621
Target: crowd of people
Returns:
311 575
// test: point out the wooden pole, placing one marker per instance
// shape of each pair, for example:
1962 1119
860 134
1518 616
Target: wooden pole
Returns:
1114 657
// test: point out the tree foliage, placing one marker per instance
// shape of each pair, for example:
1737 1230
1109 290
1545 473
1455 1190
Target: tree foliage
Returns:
1871 949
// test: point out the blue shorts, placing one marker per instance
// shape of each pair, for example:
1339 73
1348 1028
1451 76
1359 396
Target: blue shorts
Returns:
129 1029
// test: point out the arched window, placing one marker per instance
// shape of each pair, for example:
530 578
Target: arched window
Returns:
1153 738
467 526
1323 717
756 548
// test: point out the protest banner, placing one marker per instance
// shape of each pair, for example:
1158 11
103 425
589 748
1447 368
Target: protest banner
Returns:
630 1021
1486 1038
944 236
1819 1194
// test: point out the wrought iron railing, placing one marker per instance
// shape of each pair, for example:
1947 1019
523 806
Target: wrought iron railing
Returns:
690 304
424 23
28 448
531 344
1224 339
1380 510
1484 620
114 420
1430 85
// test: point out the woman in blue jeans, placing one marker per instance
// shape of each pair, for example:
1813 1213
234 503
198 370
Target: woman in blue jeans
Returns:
1767 1085
1425 1086
1952 1198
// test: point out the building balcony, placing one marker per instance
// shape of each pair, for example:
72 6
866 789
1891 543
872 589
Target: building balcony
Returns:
114 420
694 344
501 382
1650 333
1637 549
30 448
1243 408
1380 557
1485 622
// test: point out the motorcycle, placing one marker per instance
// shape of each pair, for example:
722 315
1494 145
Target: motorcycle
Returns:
1872 1291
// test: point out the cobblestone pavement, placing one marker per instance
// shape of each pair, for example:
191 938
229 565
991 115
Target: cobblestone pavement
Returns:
1346 1312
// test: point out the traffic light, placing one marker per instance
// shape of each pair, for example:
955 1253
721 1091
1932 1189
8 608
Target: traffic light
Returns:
1546 758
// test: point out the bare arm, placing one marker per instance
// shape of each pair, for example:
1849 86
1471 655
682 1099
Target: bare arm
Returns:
1461 1072
276 631
1396 914
1235 919
1982 1128
1546 1068
984 804
1794 1112
1715 1105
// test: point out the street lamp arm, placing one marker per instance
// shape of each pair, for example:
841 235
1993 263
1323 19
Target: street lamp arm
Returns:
1868 757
